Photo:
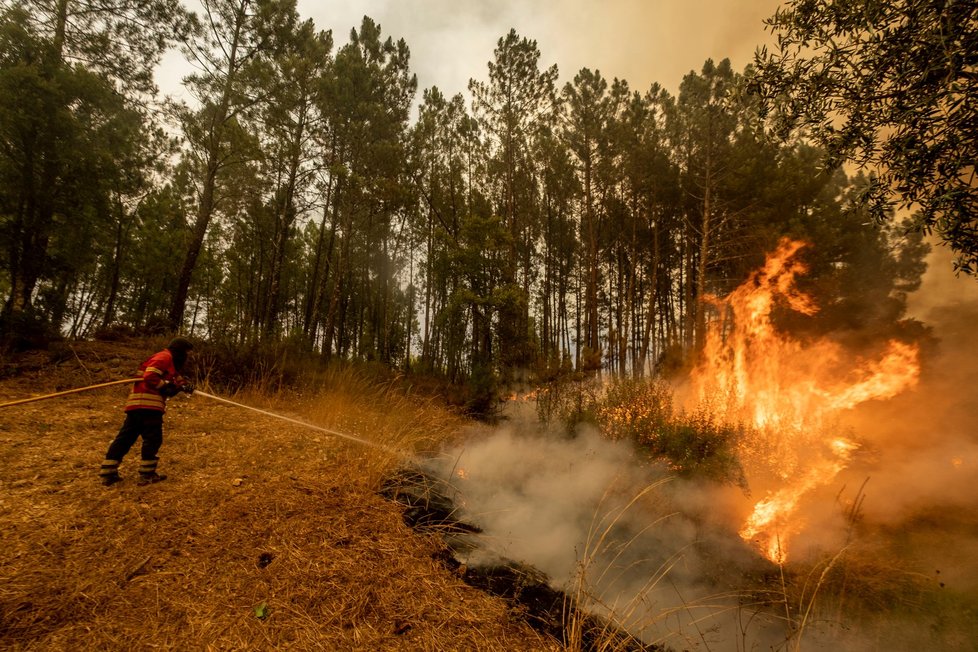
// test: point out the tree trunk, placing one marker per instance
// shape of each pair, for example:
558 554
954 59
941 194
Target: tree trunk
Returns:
704 252
205 209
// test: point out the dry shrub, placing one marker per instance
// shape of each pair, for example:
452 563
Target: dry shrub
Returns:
259 367
570 400
869 590
694 443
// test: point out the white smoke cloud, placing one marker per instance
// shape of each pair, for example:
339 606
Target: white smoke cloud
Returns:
660 552
452 41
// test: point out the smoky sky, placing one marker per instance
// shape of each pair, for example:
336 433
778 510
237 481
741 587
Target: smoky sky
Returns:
640 41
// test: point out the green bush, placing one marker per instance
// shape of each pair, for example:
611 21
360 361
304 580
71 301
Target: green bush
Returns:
643 411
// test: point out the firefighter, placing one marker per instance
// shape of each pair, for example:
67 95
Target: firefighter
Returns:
145 406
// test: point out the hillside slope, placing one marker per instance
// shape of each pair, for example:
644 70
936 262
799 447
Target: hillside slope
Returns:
266 535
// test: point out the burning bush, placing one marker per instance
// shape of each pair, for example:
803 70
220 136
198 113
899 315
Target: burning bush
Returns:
644 412
790 391
692 443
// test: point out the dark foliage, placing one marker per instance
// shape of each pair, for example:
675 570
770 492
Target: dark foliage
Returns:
890 85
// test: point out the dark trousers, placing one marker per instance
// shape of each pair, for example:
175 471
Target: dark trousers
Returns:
145 423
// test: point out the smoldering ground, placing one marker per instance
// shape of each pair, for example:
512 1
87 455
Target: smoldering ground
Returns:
624 537
657 554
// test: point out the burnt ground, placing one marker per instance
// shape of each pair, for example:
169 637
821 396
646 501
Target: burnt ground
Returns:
265 535
430 508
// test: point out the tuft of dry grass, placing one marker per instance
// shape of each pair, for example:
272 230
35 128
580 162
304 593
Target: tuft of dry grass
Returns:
265 536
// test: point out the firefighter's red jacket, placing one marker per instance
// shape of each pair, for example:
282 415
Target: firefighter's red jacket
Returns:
156 372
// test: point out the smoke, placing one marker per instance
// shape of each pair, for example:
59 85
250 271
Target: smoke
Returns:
451 41
621 535
921 448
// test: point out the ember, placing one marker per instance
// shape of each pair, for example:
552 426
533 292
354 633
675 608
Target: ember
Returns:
527 396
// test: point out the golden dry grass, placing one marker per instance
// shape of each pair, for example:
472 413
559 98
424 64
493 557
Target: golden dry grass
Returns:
258 516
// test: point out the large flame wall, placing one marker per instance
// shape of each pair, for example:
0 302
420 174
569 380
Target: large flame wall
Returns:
788 392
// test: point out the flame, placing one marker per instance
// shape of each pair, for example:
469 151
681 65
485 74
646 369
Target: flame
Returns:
772 522
462 473
787 391
528 396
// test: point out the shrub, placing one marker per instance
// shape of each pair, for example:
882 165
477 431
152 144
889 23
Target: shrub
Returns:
115 332
27 330
483 393
643 411
570 400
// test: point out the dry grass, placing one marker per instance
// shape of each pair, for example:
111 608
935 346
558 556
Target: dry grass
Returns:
258 517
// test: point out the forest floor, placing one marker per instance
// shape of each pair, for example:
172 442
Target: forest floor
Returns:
265 535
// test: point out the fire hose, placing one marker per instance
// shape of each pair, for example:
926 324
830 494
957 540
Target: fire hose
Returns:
216 398
69 391
301 423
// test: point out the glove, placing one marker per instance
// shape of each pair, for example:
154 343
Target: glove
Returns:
167 389
187 388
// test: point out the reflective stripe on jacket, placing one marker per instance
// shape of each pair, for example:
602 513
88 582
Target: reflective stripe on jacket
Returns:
145 394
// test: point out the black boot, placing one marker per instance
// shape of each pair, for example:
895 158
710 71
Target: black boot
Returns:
148 474
109 474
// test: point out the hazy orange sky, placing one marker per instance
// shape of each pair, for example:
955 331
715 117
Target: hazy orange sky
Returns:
641 41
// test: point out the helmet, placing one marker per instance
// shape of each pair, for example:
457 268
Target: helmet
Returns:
180 344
